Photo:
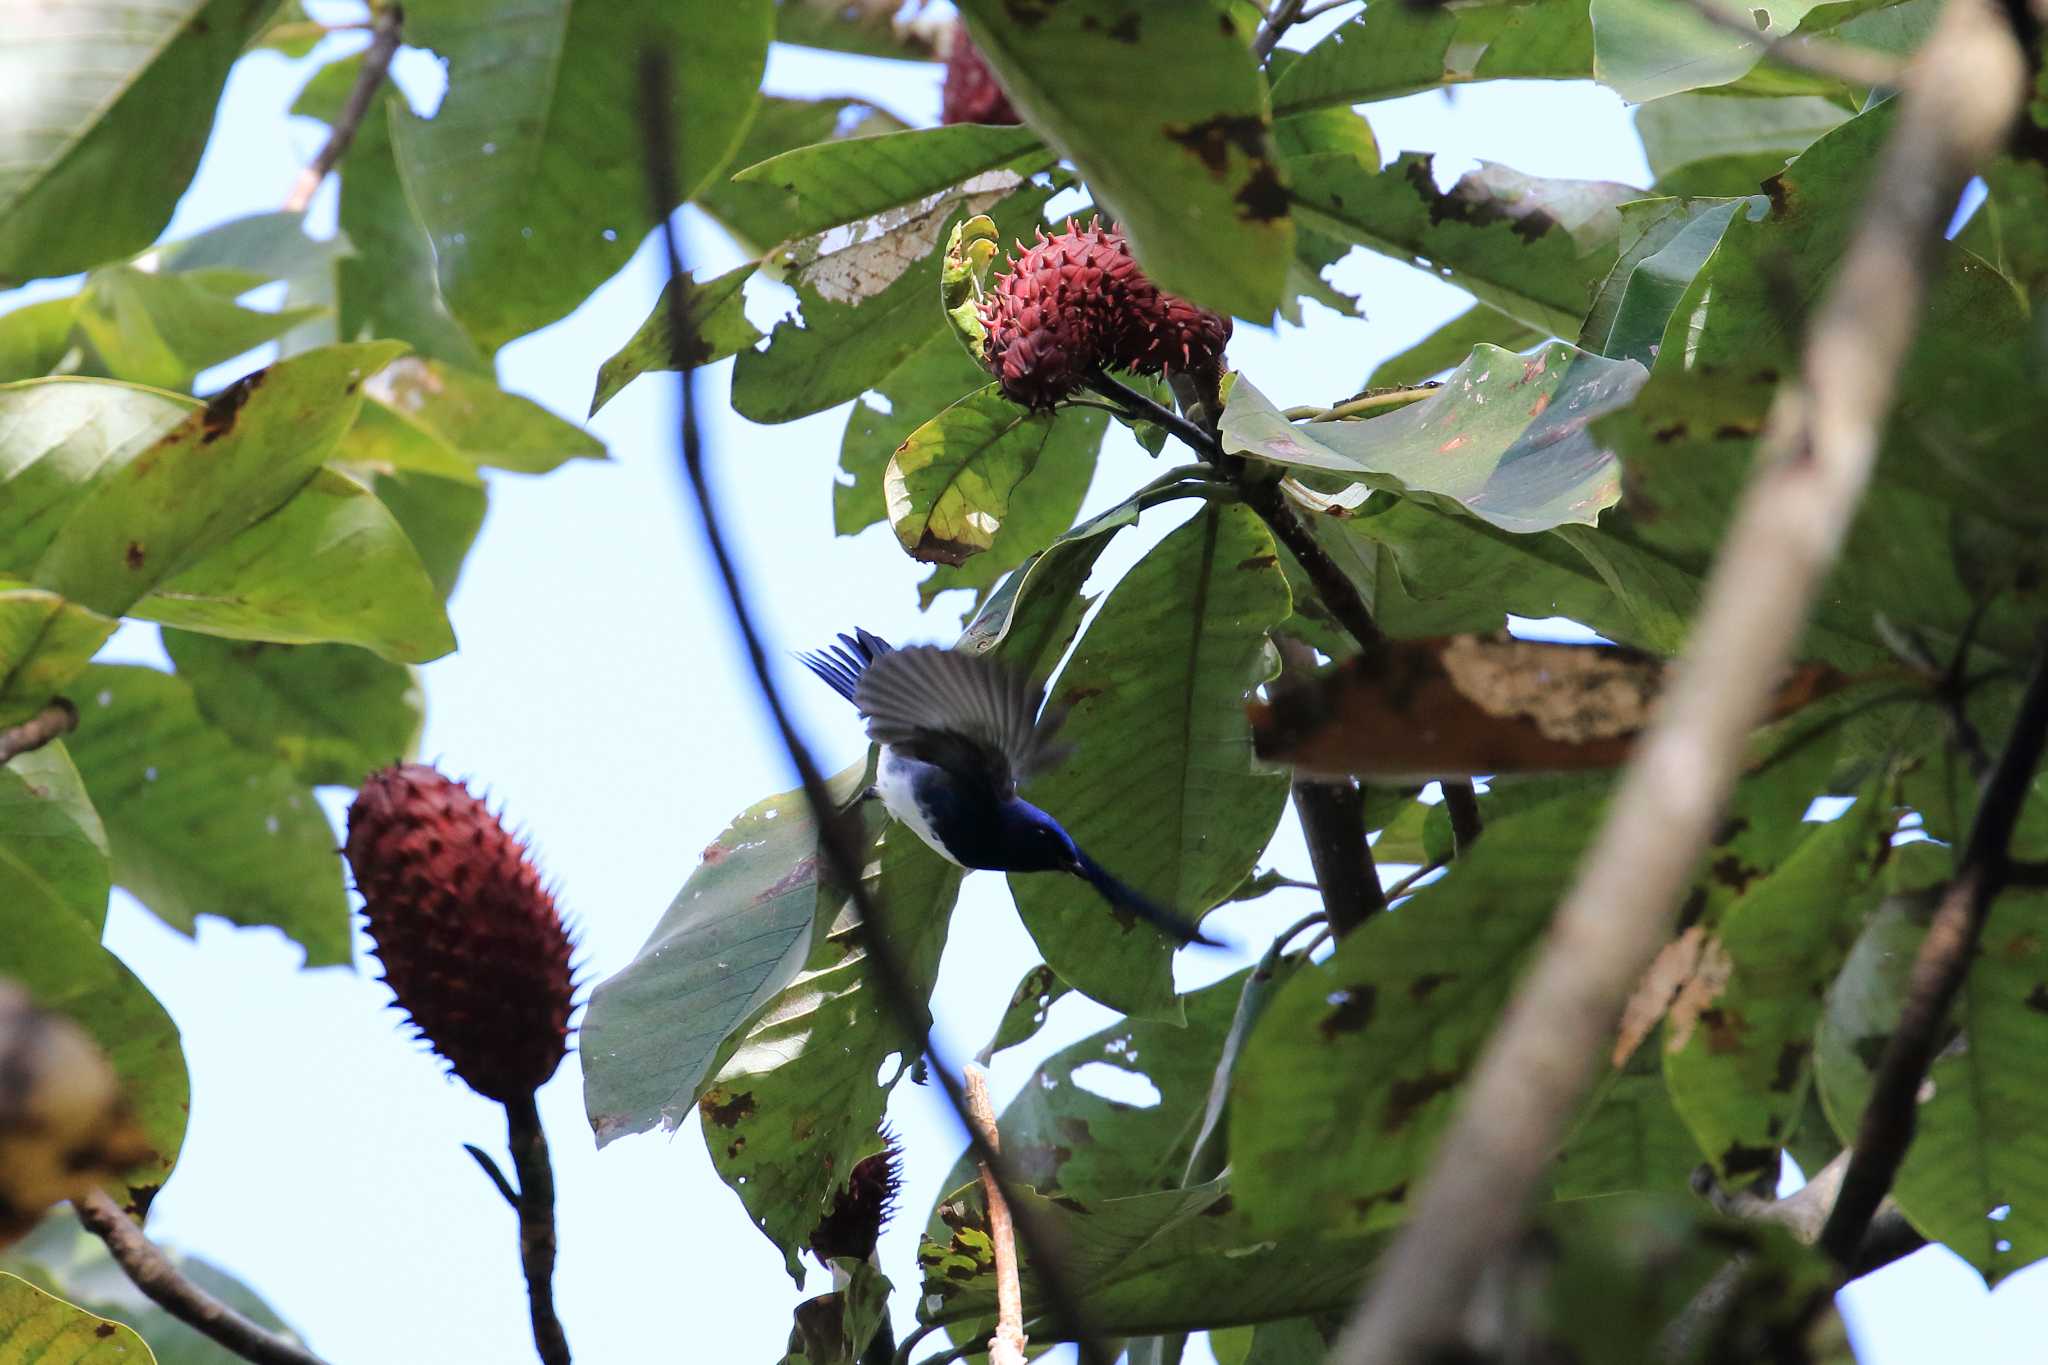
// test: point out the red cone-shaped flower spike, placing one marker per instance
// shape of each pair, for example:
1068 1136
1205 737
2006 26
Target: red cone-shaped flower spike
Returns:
970 94
1077 301
471 944
862 1206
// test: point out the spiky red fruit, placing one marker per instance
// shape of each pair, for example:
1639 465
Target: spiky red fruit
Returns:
970 94
471 943
861 1207
1076 302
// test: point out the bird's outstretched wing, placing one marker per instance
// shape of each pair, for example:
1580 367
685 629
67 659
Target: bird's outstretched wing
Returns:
961 711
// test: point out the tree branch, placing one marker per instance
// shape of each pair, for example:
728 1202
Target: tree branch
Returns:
840 852
536 1206
1814 462
1006 1347
56 719
1886 1128
384 39
1332 818
1278 20
1461 803
152 1272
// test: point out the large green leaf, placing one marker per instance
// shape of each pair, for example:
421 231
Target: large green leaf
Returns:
847 179
799 1094
869 30
156 510
1647 49
759 215
332 713
1739 1042
1664 244
1162 109
1451 343
529 176
927 381
1161 788
715 320
1042 506
1505 437
162 329
1709 144
1976 1176
468 414
54 877
104 109
735 936
1531 248
1392 48
330 565
949 483
441 517
200 825
35 339
42 1329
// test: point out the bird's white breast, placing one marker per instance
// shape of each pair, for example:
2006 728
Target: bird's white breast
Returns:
896 783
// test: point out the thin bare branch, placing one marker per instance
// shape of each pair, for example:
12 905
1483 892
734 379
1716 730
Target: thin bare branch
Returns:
1815 460
57 719
1886 1128
1278 20
385 33
840 850
529 1144
1006 1347
1839 61
152 1272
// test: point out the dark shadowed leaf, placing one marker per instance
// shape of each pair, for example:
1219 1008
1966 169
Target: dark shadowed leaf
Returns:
1664 243
1161 788
1037 991
1709 144
199 825
866 27
1162 109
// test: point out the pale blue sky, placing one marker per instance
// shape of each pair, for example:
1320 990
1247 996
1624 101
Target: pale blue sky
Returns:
598 696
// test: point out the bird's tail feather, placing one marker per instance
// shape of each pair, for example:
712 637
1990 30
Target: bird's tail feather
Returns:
1121 896
842 664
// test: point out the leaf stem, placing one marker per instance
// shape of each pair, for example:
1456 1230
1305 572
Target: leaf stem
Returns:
1364 403
536 1207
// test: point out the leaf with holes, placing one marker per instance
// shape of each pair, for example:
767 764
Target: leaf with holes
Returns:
847 179
715 325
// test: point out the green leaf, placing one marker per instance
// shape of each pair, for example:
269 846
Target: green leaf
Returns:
949 483
1030 1004
1162 109
1712 145
716 318
1647 49
1339 1097
1042 506
758 216
331 565
198 824
836 1328
1529 247
1666 241
1393 49
1451 343
441 517
525 178
470 415
1505 438
63 1258
162 329
869 30
733 938
843 350
1739 1039
1030 620
41 1329
45 642
1976 1176
85 87
1161 790
927 381
1629 1140
54 877
847 179
797 1099
157 510
332 713
58 440
35 339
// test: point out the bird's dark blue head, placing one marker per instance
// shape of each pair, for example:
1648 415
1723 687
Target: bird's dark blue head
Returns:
1034 842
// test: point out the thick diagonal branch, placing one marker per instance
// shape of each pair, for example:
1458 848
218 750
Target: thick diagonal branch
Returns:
55 720
1815 460
1332 820
152 1273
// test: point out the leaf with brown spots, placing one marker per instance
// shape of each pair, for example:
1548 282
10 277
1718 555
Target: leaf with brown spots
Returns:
42 1327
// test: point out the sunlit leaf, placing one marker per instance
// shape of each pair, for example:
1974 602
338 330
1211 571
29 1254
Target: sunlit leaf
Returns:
42 1329
1392 49
715 319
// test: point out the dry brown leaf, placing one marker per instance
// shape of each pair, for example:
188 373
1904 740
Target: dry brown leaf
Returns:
859 260
1669 971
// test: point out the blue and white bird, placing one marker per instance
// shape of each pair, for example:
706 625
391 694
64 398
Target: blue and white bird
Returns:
958 732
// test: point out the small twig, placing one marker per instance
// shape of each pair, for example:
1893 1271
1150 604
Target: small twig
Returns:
1364 403
1886 1128
536 1205
1279 19
1332 818
490 1168
1804 1213
1407 883
56 719
840 852
1145 408
384 39
1840 61
152 1272
1006 1347
1809 475
1315 11
1461 802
